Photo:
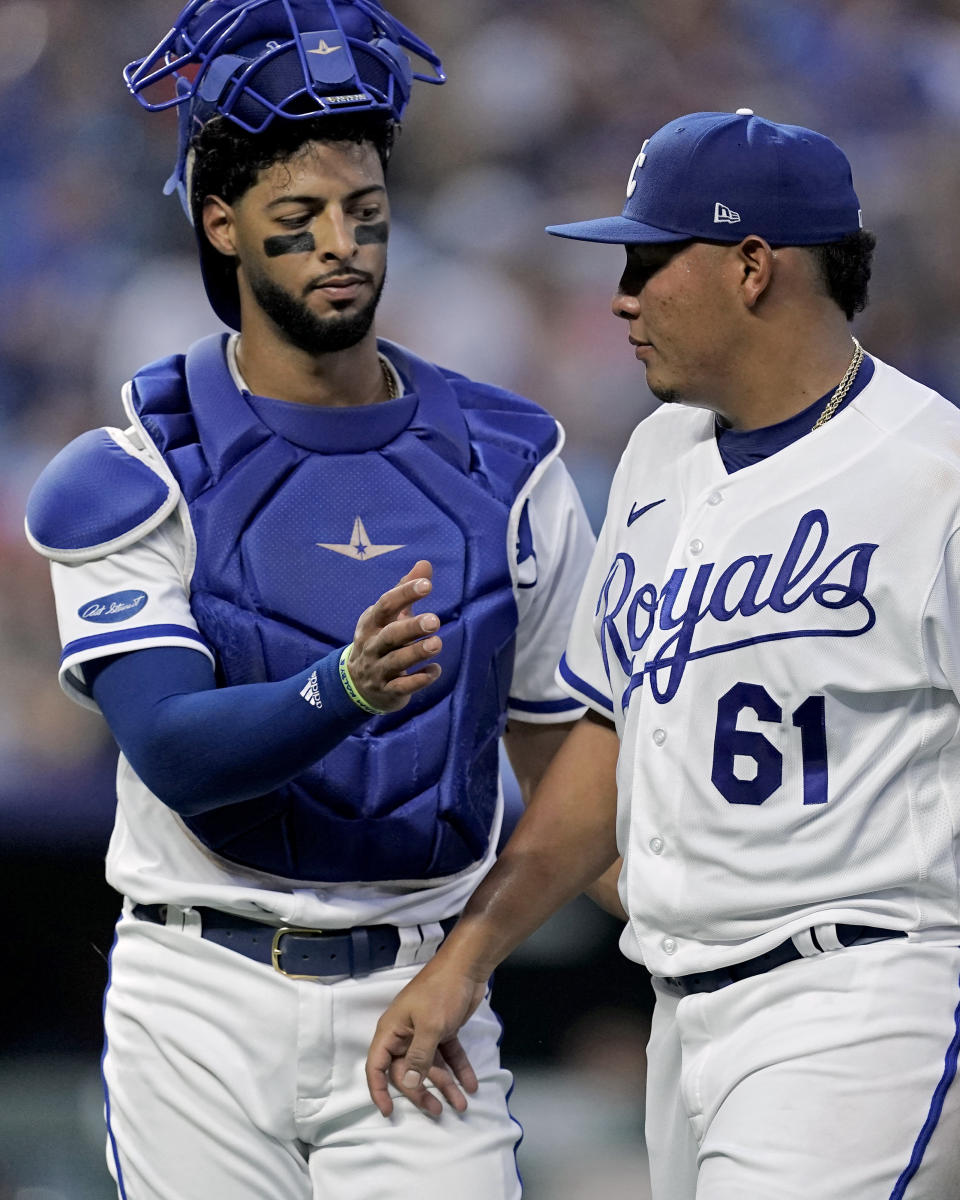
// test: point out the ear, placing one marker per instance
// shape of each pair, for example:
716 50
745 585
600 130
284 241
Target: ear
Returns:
755 262
219 225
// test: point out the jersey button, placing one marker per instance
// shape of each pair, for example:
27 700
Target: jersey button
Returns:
669 945
659 737
714 499
696 546
656 845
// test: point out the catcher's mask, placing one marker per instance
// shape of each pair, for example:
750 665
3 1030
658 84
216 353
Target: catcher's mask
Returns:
253 61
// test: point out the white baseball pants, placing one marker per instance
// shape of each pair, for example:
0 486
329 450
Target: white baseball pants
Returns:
829 1078
225 1080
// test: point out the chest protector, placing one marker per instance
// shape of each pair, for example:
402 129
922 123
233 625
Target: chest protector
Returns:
295 541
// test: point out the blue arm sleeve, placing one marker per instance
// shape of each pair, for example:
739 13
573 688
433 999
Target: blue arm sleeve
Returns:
197 746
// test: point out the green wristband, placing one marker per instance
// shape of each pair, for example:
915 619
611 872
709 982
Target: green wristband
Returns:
351 688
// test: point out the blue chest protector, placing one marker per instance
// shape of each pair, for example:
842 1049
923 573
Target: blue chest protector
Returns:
295 541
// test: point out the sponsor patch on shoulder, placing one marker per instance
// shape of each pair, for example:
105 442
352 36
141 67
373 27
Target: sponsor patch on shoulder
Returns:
118 606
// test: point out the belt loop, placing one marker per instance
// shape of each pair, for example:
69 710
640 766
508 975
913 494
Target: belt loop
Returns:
805 944
410 942
184 920
432 935
827 936
191 922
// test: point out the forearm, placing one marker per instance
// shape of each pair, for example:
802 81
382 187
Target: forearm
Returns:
199 747
531 748
564 841
605 891
562 844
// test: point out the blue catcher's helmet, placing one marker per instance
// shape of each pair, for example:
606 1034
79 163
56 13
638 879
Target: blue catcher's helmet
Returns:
253 61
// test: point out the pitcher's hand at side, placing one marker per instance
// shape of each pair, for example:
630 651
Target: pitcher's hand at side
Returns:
390 641
415 1041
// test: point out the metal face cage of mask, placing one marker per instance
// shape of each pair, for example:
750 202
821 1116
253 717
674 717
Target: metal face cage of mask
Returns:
258 60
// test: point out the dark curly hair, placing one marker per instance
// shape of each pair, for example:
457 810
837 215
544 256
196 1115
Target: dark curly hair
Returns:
227 159
845 268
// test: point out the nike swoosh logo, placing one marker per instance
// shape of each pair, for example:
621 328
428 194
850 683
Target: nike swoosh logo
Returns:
638 512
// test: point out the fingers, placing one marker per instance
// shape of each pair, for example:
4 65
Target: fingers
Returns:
383 1069
394 1052
379 1061
403 635
456 1059
415 1089
404 686
407 1058
395 660
445 1065
415 1043
386 1067
422 569
391 646
450 1068
418 1094
415 585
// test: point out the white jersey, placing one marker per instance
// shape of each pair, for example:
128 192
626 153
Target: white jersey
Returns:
154 858
780 651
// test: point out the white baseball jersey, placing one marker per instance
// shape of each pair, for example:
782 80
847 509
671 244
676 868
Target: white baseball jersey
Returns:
780 651
154 858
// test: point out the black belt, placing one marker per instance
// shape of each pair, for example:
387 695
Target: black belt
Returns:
292 950
712 981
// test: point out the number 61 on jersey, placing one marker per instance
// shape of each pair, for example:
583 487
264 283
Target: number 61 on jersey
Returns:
731 742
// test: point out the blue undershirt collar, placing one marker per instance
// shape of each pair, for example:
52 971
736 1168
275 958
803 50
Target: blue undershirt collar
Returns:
330 430
335 430
743 448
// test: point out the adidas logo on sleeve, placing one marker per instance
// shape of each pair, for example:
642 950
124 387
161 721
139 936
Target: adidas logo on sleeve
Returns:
311 692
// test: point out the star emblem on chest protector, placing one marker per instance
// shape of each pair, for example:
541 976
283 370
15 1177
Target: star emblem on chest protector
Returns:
359 547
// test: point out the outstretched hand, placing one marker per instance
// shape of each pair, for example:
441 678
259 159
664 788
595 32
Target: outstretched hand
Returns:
415 1042
390 641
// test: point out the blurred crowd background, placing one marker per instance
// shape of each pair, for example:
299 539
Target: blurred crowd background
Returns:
546 107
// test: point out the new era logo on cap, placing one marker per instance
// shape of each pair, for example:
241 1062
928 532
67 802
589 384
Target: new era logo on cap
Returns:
723 215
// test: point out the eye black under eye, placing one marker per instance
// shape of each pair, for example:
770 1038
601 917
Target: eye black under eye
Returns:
644 261
648 259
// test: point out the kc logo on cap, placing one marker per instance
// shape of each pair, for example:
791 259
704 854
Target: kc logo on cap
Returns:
637 164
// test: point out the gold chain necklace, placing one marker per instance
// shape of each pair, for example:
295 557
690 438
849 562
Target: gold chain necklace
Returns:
843 387
389 379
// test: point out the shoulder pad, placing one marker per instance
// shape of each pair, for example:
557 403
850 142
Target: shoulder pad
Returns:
102 492
489 397
505 418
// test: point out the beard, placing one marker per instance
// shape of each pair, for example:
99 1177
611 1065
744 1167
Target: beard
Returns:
302 328
666 395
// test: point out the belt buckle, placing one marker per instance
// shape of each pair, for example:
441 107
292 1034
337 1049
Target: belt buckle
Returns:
275 949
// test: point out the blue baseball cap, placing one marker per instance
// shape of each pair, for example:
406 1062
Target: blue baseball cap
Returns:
720 176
